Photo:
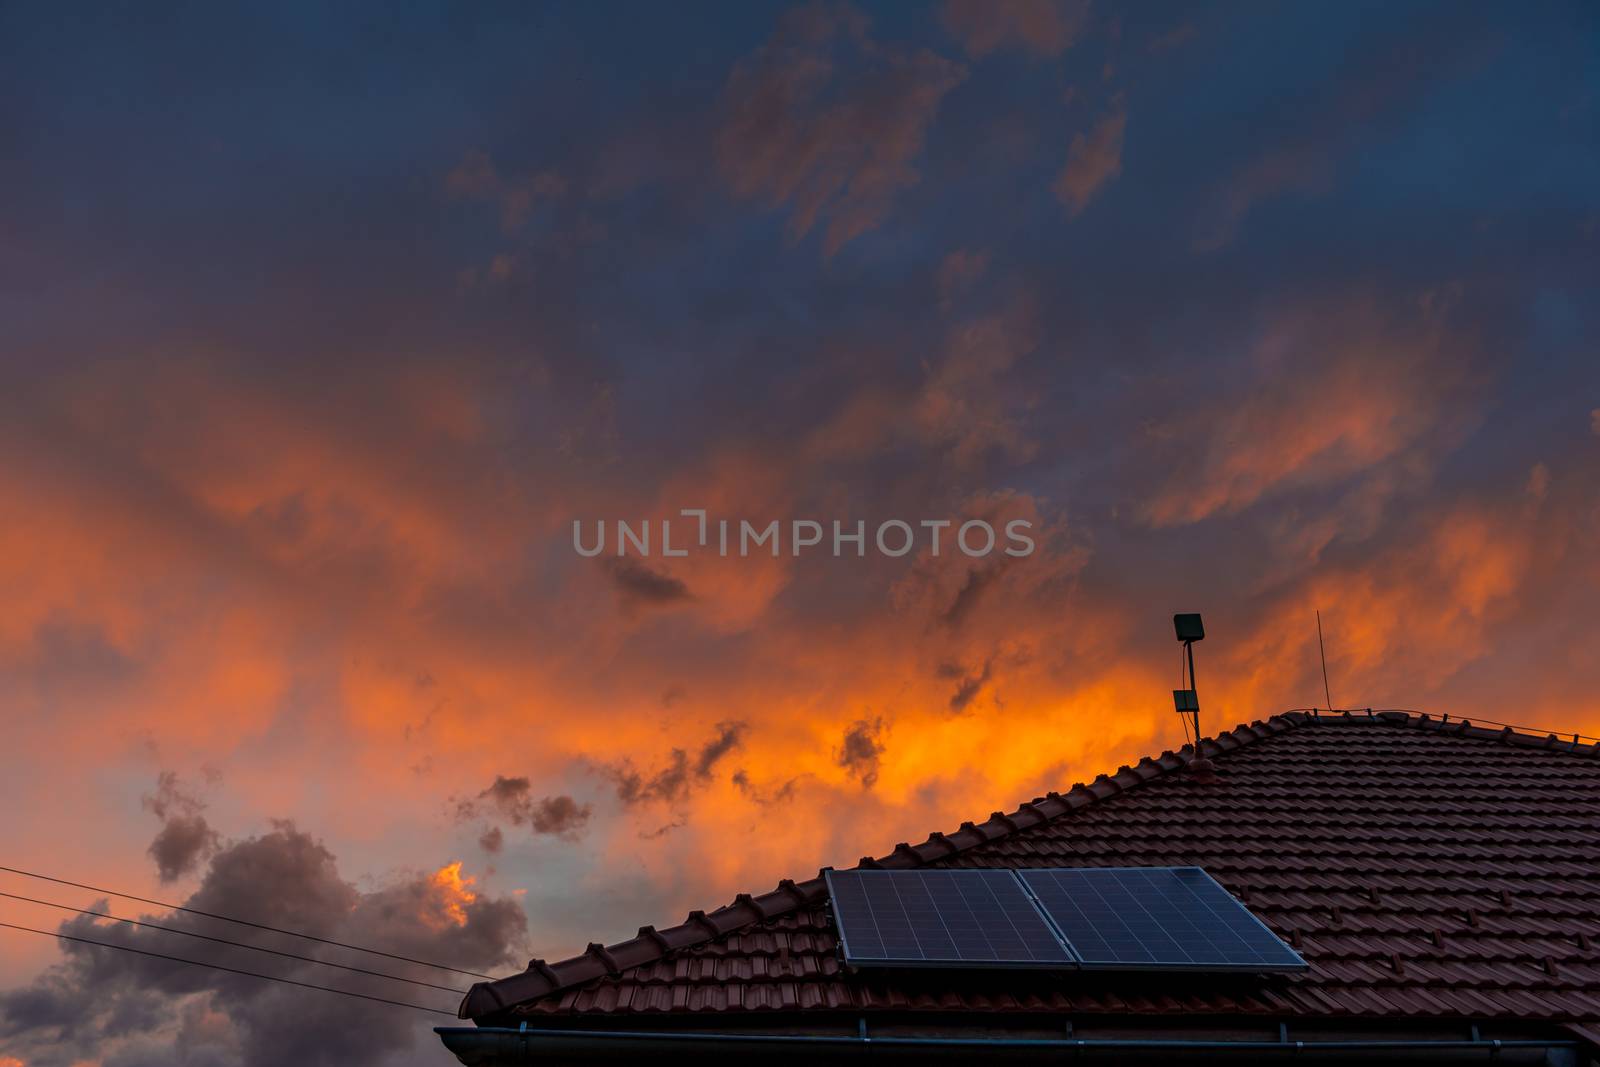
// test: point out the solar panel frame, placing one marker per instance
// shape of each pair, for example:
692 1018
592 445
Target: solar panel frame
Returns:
852 892
1096 951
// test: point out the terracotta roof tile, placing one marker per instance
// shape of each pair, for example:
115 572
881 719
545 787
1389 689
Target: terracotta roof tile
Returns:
1424 868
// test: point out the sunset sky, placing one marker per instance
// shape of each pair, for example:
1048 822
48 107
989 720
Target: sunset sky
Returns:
323 325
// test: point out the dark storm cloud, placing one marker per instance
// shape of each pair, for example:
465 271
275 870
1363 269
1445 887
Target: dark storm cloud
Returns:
969 688
637 584
559 815
661 831
120 1007
729 736
184 841
860 750
672 783
967 597
185 838
766 798
512 798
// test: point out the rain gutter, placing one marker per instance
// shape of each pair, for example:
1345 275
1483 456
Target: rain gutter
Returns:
501 1045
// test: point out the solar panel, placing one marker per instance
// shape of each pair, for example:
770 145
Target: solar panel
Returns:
962 918
1159 918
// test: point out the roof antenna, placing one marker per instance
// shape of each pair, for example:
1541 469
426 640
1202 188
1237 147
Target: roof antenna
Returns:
1324 654
1190 629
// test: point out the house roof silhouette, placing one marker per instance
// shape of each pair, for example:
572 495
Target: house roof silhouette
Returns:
1441 878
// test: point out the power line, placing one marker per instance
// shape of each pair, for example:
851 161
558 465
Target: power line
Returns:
1324 654
230 970
235 944
244 922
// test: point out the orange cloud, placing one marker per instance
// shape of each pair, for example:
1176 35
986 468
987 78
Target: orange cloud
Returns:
832 140
477 177
959 271
1044 27
358 619
454 893
1317 406
1094 159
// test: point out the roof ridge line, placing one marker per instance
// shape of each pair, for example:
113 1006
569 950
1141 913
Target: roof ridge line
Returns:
1513 736
600 961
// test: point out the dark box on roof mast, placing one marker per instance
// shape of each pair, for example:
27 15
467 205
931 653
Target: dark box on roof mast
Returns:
1189 627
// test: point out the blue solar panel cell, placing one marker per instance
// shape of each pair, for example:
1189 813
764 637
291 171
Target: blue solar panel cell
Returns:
1169 918
941 918
1111 918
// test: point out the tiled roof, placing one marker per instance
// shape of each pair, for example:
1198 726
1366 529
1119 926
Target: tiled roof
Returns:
1426 869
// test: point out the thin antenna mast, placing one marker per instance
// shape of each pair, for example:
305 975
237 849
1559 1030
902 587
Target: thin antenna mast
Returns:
1321 651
